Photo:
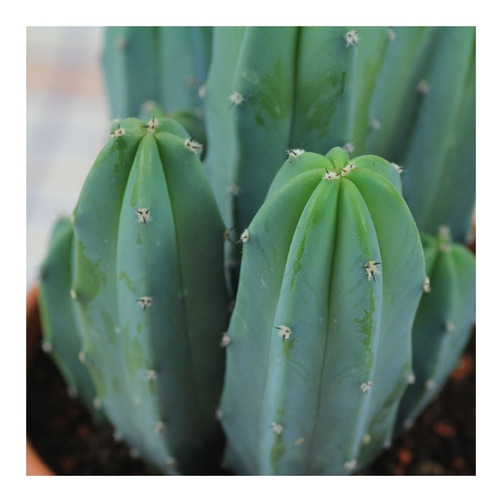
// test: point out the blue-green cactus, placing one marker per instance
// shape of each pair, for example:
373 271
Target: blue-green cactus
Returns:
319 344
62 336
443 323
149 287
167 65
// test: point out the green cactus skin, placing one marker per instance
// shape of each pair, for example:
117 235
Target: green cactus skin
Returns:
248 102
167 65
424 104
149 286
319 343
61 331
443 323
130 68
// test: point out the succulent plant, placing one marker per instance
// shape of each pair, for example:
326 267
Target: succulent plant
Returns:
150 293
319 344
443 323
166 65
330 344
62 336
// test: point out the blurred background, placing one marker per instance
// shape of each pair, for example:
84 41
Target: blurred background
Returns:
67 125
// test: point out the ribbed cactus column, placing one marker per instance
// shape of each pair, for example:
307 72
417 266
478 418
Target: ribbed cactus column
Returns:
443 323
149 286
62 336
319 344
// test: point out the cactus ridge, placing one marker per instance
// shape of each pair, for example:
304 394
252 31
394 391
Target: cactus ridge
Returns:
333 287
152 309
62 335
443 323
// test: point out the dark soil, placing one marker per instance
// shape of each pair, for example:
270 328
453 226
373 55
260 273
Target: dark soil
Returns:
442 441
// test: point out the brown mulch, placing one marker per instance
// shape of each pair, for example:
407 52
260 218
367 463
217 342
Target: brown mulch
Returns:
442 441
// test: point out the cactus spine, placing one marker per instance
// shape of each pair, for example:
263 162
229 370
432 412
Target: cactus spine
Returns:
443 322
319 349
150 292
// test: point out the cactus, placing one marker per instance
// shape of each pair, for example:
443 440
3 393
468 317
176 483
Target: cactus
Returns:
424 103
318 348
167 65
443 322
322 347
61 331
374 90
149 288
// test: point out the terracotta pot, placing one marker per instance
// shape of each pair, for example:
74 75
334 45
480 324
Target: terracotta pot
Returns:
34 464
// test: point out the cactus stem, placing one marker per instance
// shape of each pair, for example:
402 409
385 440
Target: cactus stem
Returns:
366 386
225 340
350 465
330 176
236 98
348 168
277 428
371 269
284 332
193 145
351 38
427 285
145 302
